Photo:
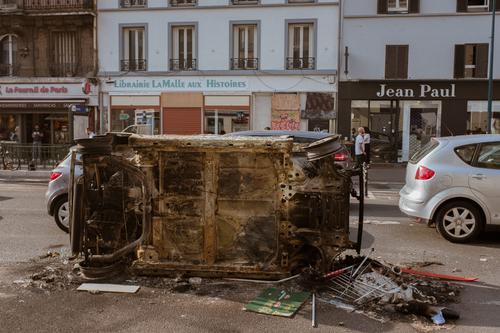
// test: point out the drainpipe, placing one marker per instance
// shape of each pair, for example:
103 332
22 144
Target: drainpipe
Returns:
339 57
490 75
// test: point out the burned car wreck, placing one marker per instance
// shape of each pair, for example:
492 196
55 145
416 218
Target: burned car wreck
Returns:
210 205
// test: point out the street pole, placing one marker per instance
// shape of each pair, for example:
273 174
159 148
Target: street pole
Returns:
490 75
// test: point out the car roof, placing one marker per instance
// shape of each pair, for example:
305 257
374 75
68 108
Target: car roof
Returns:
297 134
465 139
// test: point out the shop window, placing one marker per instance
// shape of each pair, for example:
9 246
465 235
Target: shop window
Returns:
396 61
133 3
64 53
245 47
226 121
133 50
139 121
9 128
478 117
183 48
8 55
301 46
471 61
398 6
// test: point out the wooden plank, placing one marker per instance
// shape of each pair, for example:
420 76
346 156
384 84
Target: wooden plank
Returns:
110 288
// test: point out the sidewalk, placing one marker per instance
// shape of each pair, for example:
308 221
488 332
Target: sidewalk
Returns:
25 175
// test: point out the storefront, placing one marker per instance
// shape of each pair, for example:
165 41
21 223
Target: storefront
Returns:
222 104
402 116
50 106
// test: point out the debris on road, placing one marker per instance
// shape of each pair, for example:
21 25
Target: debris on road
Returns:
439 276
110 288
278 302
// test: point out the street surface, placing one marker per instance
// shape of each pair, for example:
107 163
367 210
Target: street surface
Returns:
27 232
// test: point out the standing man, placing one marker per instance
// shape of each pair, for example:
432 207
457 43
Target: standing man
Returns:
37 136
359 147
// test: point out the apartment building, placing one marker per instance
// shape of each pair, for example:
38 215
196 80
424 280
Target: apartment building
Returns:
218 66
47 56
414 69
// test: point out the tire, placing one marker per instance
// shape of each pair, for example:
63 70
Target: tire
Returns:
61 213
459 221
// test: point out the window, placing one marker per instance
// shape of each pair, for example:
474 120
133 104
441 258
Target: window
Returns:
471 61
466 153
300 46
183 48
8 4
396 61
476 5
134 49
8 55
245 47
133 3
489 156
64 53
424 151
244 2
226 121
180 3
301 1
477 122
398 6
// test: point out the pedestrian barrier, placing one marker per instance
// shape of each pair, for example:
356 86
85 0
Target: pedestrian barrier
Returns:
15 156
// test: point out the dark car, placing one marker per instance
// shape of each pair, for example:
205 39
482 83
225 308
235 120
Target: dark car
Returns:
302 137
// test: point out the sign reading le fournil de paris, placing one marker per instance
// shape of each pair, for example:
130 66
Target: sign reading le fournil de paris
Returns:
423 91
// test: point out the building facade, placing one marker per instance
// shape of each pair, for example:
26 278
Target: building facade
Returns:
218 66
414 69
47 69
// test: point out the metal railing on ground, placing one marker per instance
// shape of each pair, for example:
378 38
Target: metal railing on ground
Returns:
15 155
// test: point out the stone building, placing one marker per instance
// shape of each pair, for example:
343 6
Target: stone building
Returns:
47 65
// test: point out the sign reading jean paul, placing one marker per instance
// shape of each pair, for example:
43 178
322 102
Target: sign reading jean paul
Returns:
182 84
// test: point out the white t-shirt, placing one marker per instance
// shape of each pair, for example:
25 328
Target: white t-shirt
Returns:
359 146
367 138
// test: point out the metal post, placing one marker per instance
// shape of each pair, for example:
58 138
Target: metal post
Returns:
490 75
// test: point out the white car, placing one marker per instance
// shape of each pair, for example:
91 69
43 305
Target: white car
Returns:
455 183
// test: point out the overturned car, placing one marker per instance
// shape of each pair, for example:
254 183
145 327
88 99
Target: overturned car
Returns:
210 205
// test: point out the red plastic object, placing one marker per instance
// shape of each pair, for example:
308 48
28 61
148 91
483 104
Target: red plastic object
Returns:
55 175
424 173
438 276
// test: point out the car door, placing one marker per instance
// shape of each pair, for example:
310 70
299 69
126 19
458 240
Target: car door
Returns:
484 178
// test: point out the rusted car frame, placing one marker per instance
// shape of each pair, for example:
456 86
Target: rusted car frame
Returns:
210 205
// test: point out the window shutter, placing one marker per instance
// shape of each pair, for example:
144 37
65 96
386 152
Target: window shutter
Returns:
461 5
414 6
459 61
382 7
482 60
391 58
402 62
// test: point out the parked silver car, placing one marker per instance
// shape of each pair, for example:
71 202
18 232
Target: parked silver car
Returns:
455 182
57 192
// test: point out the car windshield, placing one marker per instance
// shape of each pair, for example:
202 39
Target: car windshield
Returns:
424 151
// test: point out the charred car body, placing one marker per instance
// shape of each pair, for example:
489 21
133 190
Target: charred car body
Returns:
210 205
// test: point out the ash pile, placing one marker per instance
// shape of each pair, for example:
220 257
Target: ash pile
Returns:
385 292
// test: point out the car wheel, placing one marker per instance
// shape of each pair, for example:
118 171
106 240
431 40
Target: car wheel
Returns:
459 221
61 214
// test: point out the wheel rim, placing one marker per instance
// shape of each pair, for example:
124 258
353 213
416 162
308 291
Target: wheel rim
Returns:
459 222
63 214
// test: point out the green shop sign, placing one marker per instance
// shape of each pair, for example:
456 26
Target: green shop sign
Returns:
181 84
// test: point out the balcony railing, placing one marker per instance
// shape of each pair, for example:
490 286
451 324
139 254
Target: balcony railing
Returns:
182 3
244 2
58 4
300 63
133 65
244 63
9 5
67 69
8 70
182 64
133 3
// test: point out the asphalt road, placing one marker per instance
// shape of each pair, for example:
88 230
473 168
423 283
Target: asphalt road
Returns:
26 232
